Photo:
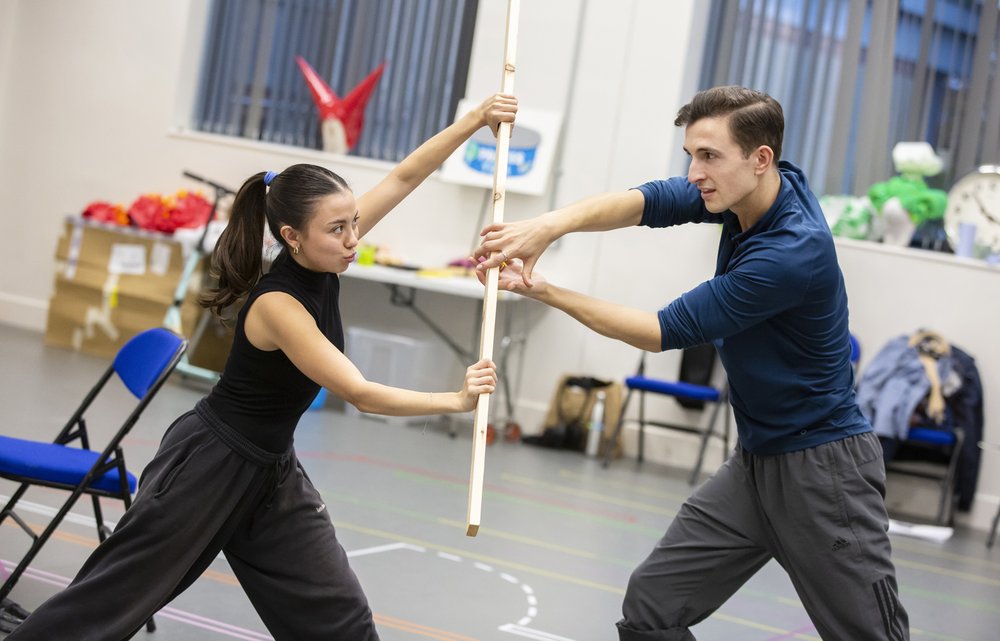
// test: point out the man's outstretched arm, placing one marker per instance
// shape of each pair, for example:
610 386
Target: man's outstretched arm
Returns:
527 239
636 327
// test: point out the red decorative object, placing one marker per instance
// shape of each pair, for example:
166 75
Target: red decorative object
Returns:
147 211
156 213
106 212
190 209
349 111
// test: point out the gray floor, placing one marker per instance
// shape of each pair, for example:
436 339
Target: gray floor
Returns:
559 537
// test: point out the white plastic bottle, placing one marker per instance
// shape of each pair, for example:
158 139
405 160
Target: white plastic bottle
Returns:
596 425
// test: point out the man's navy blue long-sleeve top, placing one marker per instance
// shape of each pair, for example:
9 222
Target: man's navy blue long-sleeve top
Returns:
776 310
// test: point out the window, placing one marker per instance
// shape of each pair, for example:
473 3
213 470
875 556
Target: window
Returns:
250 85
857 76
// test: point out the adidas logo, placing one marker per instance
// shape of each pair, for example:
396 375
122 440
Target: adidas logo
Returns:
840 544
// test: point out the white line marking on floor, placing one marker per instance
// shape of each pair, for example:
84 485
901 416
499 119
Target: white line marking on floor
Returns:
45 510
528 633
378 549
168 612
58 582
212 624
222 631
79 519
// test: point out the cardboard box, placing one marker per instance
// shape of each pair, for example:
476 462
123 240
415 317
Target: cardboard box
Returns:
112 283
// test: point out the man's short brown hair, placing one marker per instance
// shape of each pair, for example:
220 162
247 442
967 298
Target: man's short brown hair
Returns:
755 118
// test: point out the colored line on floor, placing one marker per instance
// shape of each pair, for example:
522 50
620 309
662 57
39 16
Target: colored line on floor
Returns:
533 502
529 633
631 486
236 632
931 550
231 580
378 549
589 494
788 634
934 595
917 632
493 532
459 482
956 574
794 633
521 567
418 629
721 616
167 612
206 623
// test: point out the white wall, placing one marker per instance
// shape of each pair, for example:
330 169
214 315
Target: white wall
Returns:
90 110
8 17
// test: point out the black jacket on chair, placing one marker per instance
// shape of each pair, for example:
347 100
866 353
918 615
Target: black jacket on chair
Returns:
967 409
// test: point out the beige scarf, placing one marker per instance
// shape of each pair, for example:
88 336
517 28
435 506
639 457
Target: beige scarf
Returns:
930 347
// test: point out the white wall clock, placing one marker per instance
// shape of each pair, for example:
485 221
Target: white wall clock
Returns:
975 199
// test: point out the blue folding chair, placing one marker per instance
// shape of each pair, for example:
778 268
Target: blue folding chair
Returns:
686 393
946 444
143 365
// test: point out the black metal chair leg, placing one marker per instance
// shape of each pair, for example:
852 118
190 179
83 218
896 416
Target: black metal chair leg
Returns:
709 431
642 426
993 529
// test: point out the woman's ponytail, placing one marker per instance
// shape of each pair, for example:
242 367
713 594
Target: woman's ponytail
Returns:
281 198
237 262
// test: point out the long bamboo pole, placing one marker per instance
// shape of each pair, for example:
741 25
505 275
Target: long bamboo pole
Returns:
475 506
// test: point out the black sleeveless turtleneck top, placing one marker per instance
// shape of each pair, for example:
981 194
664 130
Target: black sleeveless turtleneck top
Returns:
262 394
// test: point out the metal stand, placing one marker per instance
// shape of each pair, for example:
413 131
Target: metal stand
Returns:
172 319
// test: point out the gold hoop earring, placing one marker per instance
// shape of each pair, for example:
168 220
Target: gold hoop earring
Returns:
295 250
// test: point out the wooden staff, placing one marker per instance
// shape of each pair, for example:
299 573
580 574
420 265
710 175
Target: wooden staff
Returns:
474 511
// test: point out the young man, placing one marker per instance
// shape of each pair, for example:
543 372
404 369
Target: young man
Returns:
806 484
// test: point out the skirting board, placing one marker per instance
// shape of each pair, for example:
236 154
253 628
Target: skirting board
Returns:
23 312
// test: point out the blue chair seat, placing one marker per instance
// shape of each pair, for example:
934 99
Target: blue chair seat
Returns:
49 462
674 388
932 436
697 363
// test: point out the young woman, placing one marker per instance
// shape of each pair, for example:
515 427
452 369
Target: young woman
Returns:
225 478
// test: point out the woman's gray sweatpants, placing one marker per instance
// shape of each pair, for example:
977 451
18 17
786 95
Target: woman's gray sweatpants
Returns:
819 512
209 490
